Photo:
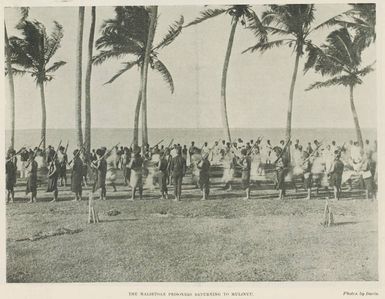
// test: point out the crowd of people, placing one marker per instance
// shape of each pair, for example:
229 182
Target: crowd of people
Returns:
317 164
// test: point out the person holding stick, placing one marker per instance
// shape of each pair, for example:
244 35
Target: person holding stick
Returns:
101 166
245 163
77 175
163 174
336 175
31 169
178 170
53 176
281 168
136 166
10 174
62 160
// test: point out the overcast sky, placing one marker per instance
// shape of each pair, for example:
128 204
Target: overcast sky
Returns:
257 88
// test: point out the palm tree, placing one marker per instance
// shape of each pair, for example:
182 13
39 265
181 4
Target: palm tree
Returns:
153 13
78 88
24 14
32 54
292 23
87 125
237 12
340 58
11 86
126 35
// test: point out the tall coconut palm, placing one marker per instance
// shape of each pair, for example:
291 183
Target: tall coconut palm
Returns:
11 87
153 13
340 58
237 13
32 54
126 35
293 24
79 78
87 125
24 14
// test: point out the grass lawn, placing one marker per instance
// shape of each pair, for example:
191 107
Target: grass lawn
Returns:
221 239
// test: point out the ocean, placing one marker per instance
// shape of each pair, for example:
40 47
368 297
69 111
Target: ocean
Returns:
110 137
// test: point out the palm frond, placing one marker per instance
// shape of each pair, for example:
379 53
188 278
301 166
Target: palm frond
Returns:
335 81
173 31
205 15
256 26
55 66
17 72
53 41
264 46
127 66
105 55
366 70
164 72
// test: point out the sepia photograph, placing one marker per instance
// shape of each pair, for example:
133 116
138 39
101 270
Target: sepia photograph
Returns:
191 143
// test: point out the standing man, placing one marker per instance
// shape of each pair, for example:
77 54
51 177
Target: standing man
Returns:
136 166
23 158
31 169
10 174
62 170
204 176
336 175
77 176
178 170
101 166
163 174
245 163
281 167
53 176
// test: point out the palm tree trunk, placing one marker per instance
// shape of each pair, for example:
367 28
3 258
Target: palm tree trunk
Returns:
11 88
135 140
355 119
150 37
43 115
291 95
87 125
78 98
225 120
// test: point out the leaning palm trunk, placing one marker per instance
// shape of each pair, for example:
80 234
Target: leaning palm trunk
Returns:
150 38
78 99
87 125
355 119
11 88
43 115
225 120
291 96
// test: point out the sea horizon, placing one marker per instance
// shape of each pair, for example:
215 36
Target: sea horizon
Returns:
111 136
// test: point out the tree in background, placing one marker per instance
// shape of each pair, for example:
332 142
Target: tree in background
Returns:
32 54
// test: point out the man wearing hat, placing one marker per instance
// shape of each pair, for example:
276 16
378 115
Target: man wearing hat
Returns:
204 176
10 174
178 170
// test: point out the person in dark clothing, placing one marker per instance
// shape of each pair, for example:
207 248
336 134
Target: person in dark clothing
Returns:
281 168
163 174
336 175
53 176
245 163
204 176
136 166
10 174
31 168
77 176
101 166
178 170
